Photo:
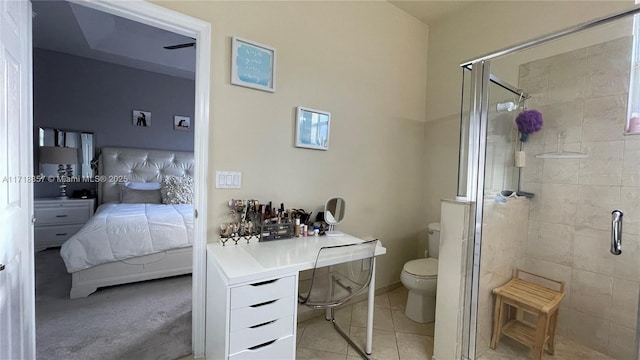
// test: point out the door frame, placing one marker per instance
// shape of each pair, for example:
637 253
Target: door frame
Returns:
166 19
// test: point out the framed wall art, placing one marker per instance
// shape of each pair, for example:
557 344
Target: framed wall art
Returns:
182 123
312 128
141 118
253 65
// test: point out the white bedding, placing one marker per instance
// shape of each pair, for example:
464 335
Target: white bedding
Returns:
121 231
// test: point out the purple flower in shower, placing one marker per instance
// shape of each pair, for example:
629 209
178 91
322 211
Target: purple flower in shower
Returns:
528 121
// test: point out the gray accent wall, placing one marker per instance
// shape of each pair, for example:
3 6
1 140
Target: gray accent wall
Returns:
72 92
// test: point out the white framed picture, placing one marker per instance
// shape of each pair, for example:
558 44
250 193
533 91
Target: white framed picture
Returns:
182 123
253 65
141 118
312 128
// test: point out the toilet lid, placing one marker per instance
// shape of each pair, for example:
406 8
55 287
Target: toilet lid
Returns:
422 267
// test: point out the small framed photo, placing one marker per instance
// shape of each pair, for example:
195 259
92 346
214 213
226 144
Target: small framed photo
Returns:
312 128
182 123
253 65
141 118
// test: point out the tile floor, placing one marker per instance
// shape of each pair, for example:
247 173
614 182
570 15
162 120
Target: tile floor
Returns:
395 337
566 349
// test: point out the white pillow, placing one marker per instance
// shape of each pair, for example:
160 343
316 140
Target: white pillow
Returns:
177 190
142 185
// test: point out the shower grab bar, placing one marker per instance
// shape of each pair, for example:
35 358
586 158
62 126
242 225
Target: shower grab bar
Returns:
616 232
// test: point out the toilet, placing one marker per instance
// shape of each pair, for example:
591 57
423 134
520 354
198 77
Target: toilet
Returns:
420 276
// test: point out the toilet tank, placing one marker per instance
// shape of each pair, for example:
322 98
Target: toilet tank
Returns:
434 240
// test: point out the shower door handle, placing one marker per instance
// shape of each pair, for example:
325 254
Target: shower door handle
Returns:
616 232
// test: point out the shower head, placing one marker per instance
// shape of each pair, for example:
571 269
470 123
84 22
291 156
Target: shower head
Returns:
508 106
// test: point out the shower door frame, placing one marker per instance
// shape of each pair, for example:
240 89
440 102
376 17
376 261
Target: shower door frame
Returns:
478 120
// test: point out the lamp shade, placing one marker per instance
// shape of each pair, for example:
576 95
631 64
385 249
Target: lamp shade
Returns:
58 155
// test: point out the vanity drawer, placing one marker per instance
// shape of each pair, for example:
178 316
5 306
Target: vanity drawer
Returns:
261 292
259 334
62 215
54 235
262 313
282 348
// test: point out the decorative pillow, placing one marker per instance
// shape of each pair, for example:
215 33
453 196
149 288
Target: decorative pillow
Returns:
177 190
135 196
142 185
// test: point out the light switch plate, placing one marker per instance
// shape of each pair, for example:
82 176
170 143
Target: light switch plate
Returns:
228 180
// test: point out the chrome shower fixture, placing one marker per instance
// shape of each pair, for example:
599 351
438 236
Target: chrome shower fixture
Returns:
508 106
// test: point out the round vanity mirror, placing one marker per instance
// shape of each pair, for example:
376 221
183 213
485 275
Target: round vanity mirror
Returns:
334 211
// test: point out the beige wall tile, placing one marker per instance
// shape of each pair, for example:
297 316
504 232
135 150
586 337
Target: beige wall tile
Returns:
625 303
626 265
567 76
604 117
631 163
591 251
534 204
563 171
555 243
564 114
558 203
588 329
630 205
622 343
532 240
604 164
608 66
560 273
562 327
595 204
532 172
591 293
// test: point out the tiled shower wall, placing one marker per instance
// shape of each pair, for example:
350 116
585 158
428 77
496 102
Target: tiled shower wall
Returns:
583 93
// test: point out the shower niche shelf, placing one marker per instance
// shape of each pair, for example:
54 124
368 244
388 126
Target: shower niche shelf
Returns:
560 153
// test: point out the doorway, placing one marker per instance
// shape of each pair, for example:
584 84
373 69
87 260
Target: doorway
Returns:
165 19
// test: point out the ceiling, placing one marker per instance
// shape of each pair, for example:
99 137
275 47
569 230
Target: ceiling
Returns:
429 11
82 31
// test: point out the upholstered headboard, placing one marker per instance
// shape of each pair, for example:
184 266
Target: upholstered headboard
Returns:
139 165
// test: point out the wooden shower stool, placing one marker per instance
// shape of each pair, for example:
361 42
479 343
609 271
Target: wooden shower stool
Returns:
540 301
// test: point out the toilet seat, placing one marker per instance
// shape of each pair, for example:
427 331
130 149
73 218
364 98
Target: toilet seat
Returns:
423 268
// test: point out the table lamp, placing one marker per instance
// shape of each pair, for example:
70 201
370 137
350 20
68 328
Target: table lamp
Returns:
61 156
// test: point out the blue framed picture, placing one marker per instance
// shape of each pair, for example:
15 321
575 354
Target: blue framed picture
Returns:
253 65
312 128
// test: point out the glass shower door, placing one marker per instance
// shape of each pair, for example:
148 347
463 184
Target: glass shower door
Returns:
580 168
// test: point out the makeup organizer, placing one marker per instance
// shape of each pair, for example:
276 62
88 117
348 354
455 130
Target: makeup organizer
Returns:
255 221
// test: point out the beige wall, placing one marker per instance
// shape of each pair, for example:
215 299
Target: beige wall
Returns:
478 29
365 62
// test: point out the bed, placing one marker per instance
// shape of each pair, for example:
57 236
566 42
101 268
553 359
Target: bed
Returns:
137 165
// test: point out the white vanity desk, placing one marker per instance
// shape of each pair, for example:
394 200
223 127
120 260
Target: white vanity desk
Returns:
252 295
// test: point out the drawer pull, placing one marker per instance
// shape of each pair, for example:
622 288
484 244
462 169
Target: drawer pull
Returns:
264 282
264 303
263 324
61 216
262 345
61 234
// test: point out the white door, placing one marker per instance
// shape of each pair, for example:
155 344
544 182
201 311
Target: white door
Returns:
17 314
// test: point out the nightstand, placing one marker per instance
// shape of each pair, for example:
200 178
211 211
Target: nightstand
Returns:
59 219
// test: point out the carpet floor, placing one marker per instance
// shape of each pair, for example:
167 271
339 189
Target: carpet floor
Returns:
145 320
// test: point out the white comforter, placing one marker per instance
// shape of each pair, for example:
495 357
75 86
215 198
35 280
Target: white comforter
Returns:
121 231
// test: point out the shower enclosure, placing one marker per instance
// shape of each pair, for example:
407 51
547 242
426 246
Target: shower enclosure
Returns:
548 204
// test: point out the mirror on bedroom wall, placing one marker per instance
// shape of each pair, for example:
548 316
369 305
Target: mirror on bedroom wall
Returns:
82 141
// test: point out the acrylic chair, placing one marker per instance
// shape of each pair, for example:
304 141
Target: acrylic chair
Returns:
332 286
